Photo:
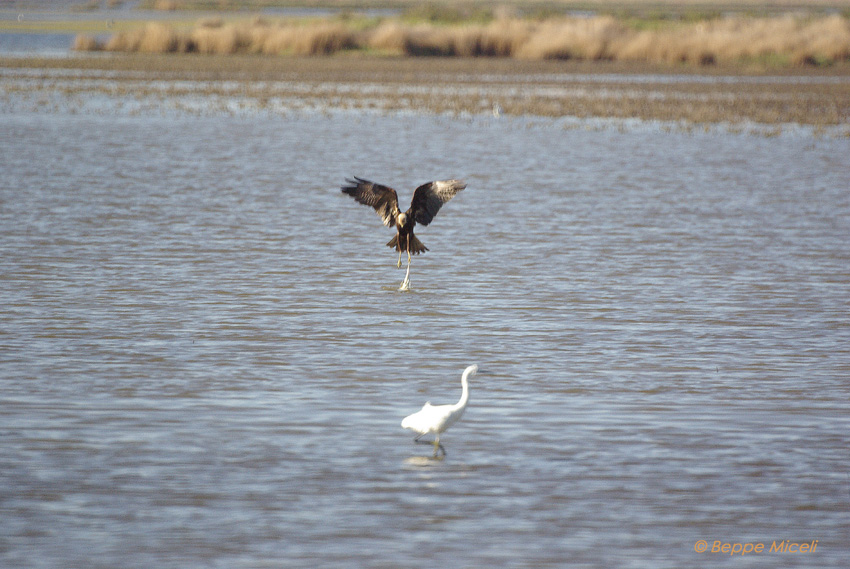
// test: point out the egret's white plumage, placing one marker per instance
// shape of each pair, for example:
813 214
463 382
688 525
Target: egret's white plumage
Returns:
437 418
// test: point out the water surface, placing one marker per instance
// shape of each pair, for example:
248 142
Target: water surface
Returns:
205 359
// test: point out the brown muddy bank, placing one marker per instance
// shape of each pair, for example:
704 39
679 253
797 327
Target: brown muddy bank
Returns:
716 94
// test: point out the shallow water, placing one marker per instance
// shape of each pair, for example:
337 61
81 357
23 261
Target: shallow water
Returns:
206 361
44 44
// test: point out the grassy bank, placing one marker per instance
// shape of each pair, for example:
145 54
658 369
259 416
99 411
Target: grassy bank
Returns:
785 40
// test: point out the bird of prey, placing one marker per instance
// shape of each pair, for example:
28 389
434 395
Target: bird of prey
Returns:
427 201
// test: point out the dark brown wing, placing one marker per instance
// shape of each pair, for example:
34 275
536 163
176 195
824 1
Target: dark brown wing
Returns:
382 198
429 198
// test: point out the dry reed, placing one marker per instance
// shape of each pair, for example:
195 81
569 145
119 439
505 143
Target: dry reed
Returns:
791 39
823 40
85 43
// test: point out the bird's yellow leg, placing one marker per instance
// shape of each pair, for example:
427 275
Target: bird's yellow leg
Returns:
399 259
438 447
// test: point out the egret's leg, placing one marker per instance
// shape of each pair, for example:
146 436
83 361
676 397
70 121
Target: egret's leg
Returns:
416 440
438 446
436 443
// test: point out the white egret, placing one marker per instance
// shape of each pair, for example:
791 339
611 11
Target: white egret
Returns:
437 418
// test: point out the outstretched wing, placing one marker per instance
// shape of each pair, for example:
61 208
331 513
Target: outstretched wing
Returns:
382 198
429 198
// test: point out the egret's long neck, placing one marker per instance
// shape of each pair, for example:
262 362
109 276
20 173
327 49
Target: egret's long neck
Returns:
464 396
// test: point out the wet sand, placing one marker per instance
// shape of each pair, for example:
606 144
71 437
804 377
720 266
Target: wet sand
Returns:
697 95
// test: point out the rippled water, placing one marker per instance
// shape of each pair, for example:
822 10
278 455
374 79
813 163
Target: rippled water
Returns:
205 360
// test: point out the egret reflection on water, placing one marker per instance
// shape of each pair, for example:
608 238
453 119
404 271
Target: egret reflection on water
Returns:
427 201
438 418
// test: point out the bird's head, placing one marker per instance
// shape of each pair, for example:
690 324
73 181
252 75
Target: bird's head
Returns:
402 219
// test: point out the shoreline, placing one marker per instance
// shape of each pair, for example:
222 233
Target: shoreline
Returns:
812 96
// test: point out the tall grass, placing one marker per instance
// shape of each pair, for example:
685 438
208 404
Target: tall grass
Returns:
823 40
793 39
213 36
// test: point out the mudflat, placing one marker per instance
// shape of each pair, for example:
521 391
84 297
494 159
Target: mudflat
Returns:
733 94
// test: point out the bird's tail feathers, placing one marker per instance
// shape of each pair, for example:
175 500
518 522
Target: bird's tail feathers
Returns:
416 246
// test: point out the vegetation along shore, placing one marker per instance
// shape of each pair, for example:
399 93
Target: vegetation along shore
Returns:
786 39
